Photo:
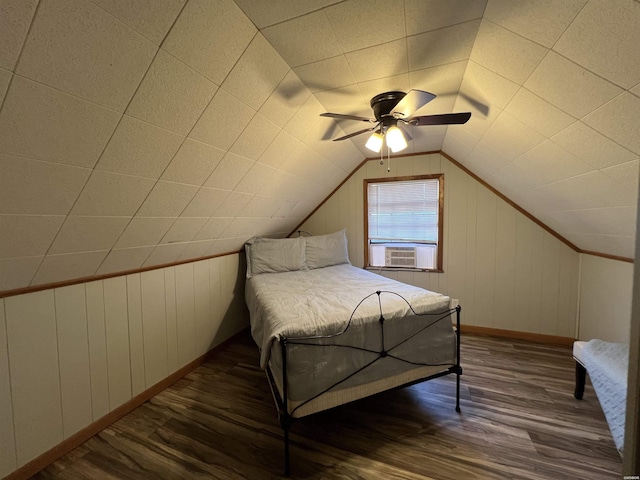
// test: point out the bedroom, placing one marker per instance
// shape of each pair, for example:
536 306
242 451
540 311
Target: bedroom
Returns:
135 136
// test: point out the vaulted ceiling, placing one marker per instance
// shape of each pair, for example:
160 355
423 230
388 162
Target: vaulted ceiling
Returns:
138 133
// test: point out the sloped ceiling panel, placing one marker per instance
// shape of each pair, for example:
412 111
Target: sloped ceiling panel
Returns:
137 133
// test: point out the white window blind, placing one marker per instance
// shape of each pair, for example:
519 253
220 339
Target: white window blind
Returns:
403 211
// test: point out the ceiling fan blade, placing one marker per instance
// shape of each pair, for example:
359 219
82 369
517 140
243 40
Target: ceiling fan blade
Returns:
442 119
355 133
411 102
341 116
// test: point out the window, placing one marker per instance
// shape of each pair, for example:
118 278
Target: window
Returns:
403 218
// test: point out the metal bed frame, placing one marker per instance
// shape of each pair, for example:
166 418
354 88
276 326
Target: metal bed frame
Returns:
286 418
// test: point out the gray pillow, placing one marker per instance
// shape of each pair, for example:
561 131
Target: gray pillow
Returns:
273 255
327 250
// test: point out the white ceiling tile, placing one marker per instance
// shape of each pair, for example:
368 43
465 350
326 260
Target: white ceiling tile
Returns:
613 245
197 249
285 100
542 21
112 194
257 74
636 90
546 163
213 228
17 272
320 40
88 234
68 35
447 45
210 36
591 146
534 112
164 254
144 231
308 119
26 186
184 229
506 53
592 190
245 227
485 160
626 174
193 163
229 172
510 137
611 47
443 81
487 87
223 121
233 204
15 19
619 120
45 124
326 74
569 86
167 199
27 235
264 13
172 95
255 139
479 123
139 148
459 144
227 245
256 177
58 268
261 207
280 148
619 221
124 259
379 61
150 18
5 78
426 15
346 100
351 21
205 202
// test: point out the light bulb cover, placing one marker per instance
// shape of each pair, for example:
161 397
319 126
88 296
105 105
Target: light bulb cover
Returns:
395 139
375 142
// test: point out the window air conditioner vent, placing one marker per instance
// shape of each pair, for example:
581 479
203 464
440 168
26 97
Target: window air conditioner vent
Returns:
400 256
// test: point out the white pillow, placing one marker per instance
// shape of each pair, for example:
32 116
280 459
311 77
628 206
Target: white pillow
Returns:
272 255
327 250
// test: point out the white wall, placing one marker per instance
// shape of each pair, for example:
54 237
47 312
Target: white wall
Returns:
507 271
70 355
606 288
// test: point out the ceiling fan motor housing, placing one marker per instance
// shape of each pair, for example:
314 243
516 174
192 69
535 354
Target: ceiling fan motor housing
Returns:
383 103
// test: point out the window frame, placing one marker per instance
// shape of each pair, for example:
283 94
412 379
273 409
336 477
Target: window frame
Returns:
440 244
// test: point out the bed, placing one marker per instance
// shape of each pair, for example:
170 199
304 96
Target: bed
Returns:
607 364
330 333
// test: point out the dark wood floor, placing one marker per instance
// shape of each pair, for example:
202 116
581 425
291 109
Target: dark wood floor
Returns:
519 420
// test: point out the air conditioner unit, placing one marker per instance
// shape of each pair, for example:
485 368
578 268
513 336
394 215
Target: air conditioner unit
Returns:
400 256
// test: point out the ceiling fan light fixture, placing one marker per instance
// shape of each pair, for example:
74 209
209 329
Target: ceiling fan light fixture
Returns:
395 139
375 142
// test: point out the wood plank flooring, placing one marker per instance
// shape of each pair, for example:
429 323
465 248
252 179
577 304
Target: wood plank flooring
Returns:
519 420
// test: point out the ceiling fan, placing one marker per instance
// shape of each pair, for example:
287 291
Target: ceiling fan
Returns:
391 111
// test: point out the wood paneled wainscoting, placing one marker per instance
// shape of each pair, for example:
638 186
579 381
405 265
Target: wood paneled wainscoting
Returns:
519 420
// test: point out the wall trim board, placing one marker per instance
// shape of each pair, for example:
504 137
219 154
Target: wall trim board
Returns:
47 458
607 256
75 281
516 335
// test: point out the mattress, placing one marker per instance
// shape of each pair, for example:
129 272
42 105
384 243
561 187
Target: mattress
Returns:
607 364
340 305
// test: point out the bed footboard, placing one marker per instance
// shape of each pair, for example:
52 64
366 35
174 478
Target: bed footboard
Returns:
392 350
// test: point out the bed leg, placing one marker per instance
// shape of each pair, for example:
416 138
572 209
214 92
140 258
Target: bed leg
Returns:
581 374
286 424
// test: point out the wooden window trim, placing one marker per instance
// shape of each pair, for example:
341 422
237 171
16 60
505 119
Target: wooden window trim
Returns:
440 177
